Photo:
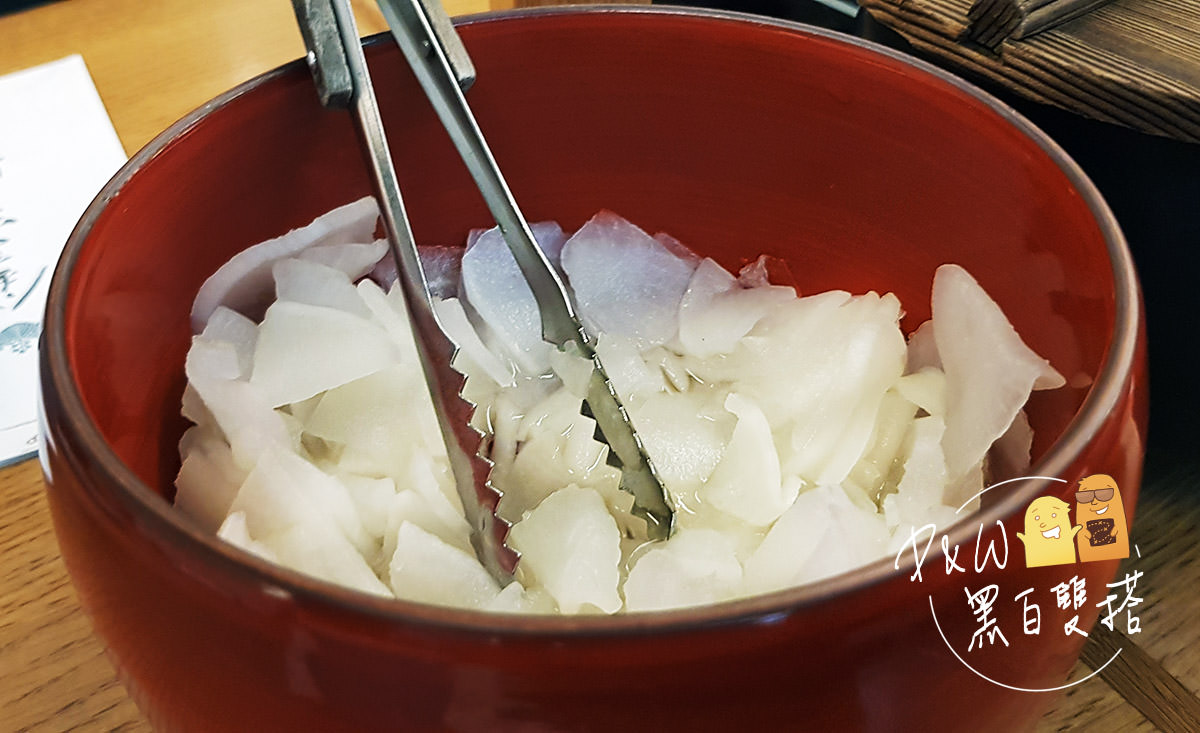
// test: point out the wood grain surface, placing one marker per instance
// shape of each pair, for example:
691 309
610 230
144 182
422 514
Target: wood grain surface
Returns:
1153 683
994 21
153 62
1132 62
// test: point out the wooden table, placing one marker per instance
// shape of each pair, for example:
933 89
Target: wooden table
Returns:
1131 62
153 62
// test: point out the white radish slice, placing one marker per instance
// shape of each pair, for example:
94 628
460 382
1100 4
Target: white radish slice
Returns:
211 360
453 320
757 274
571 546
557 448
573 370
305 349
234 328
925 388
745 538
236 408
391 313
426 569
432 481
441 267
372 497
747 483
922 350
856 536
354 259
246 420
822 534
990 372
581 454
874 470
197 434
193 408
208 478
716 311
551 416
382 421
284 490
826 376
965 492
244 282
301 281
496 289
319 550
696 567
921 487
852 443
1011 453
303 409
677 248
233 530
625 282
516 598
409 506
630 375
780 560
541 466
685 435
791 346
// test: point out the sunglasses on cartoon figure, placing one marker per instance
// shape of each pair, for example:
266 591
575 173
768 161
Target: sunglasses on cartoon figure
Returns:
1085 497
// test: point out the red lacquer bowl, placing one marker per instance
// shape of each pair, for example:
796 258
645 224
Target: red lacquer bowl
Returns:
863 169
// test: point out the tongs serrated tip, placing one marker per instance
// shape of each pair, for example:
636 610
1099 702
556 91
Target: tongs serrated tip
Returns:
441 64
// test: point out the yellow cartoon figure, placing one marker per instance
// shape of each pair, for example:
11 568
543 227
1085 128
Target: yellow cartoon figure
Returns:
1049 537
1099 510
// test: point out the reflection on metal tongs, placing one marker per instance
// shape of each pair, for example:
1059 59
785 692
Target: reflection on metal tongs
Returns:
440 62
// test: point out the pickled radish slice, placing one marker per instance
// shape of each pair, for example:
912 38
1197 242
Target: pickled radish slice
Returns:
304 349
570 545
243 283
747 483
989 369
625 282
797 437
695 568
493 284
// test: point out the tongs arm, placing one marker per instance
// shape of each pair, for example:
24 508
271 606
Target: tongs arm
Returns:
426 54
339 68
442 67
425 35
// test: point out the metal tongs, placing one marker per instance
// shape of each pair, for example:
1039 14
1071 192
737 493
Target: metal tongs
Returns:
438 58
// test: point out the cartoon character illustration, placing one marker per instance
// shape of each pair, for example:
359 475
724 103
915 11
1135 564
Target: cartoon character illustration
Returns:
1099 511
1049 537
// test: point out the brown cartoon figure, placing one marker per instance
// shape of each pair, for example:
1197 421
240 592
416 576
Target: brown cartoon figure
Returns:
1099 511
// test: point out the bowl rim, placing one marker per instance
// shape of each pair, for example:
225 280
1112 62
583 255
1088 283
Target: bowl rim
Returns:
248 571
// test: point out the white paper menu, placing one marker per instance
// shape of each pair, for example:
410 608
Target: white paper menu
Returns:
57 149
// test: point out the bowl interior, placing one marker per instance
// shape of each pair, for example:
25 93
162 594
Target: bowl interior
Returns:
860 170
